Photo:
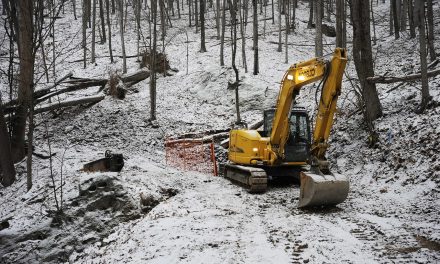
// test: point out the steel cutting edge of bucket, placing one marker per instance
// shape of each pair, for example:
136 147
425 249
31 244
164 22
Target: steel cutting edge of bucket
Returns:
319 190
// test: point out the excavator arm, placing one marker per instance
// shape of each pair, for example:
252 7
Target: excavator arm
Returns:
294 79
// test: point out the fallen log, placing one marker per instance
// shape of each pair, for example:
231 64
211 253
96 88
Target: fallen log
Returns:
42 92
54 106
75 84
393 79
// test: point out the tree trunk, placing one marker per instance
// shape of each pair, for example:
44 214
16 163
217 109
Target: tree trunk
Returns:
84 28
395 19
232 9
286 16
26 76
412 27
93 30
242 33
280 44
202 26
420 20
196 16
101 16
430 20
391 18
255 38
217 17
362 55
121 29
403 15
107 4
153 62
162 19
222 40
310 23
373 23
339 19
7 169
318 35
74 8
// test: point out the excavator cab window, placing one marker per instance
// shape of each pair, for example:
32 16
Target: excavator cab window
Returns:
299 128
298 144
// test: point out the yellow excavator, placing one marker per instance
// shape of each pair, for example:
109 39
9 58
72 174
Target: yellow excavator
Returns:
285 147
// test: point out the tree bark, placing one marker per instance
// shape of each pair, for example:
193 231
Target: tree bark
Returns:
153 70
310 23
222 40
7 169
202 26
84 27
318 34
395 19
339 19
430 20
121 29
101 16
107 4
26 77
403 15
232 9
412 28
280 44
420 13
363 59
93 30
255 36
242 33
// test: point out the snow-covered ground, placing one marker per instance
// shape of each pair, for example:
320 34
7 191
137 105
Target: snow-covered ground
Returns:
391 214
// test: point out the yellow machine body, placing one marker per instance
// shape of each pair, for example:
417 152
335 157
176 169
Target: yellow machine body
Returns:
249 148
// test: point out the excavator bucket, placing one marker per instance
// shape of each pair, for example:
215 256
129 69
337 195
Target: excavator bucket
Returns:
317 190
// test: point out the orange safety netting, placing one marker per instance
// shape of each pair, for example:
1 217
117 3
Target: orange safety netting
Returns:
191 155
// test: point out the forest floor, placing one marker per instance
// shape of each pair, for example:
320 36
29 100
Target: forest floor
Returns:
391 214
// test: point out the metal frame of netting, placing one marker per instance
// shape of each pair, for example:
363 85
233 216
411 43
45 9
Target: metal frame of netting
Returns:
191 155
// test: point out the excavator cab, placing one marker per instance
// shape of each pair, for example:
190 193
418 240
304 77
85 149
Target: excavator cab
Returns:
297 148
